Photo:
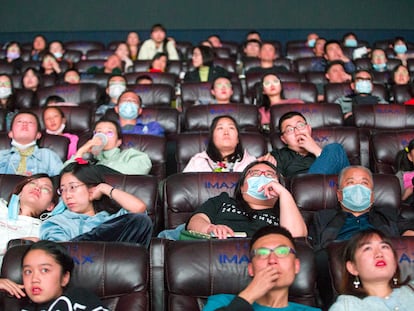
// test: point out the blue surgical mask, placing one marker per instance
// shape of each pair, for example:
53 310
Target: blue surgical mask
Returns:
400 48
311 43
254 184
363 87
128 110
57 54
379 67
351 43
356 198
13 55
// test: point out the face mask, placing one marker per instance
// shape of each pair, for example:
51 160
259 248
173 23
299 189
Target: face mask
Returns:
57 55
128 110
115 90
356 198
13 55
311 43
58 131
21 146
363 87
400 48
5 92
352 43
254 183
379 67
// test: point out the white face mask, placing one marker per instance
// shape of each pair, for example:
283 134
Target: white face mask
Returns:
5 92
115 90
21 146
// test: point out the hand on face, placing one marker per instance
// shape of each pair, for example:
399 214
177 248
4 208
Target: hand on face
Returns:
273 189
306 142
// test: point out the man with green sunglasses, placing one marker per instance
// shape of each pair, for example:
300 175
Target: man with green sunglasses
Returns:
273 268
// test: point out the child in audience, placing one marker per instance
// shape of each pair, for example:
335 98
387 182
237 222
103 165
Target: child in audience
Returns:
405 170
95 210
46 270
55 122
159 62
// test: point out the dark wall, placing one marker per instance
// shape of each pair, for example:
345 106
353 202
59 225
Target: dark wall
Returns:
192 19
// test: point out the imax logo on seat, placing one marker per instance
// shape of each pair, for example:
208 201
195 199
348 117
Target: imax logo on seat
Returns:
321 139
219 185
220 110
388 110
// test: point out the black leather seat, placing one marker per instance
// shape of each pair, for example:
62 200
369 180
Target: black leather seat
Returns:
154 95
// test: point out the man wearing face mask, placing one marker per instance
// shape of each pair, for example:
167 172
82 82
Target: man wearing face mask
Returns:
116 85
362 94
128 110
259 200
356 212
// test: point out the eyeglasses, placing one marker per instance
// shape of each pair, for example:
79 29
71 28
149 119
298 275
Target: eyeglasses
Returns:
257 173
72 188
5 84
289 130
43 188
272 82
108 134
281 251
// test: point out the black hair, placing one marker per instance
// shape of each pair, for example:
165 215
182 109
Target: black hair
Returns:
207 53
263 99
402 163
91 176
115 123
396 69
56 250
289 115
359 71
53 99
329 42
158 26
115 75
158 55
333 63
349 34
252 41
267 230
212 150
35 72
143 77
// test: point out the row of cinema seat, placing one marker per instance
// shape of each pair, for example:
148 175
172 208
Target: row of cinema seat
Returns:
171 276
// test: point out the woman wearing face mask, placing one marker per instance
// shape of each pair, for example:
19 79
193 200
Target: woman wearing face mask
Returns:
259 200
7 98
400 49
13 56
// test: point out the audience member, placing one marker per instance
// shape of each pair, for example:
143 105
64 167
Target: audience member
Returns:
273 267
13 56
401 75
371 278
400 49
95 210
253 35
332 52
159 63
71 76
222 90
122 52
224 152
46 271
30 201
259 200
50 66
113 65
25 157
215 41
204 70
133 44
31 79
116 85
39 47
302 153
362 88
404 165
127 112
55 123
379 60
57 50
7 98
356 212
267 56
144 79
334 73
158 43
271 94
111 159
251 48
319 48
311 40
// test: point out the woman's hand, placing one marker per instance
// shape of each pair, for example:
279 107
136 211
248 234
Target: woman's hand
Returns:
269 158
272 189
220 231
12 288
98 191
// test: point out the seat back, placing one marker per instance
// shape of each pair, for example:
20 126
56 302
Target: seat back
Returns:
85 64
404 247
100 79
188 144
87 94
402 93
168 118
183 193
201 92
317 115
98 54
84 46
295 52
104 268
24 99
144 187
307 64
333 91
384 117
153 146
198 118
154 94
220 266
384 147
157 77
7 184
